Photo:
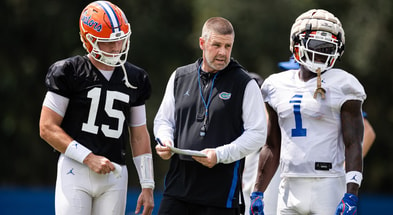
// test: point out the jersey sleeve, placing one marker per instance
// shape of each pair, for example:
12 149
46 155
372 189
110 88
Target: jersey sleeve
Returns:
139 78
59 78
145 89
352 89
267 88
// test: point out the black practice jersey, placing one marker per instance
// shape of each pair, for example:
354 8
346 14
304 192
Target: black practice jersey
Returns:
98 112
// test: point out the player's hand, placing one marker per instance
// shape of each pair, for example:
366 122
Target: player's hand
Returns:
348 205
164 151
146 200
209 161
99 164
256 206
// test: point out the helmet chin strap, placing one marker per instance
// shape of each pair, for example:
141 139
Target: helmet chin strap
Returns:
127 83
319 89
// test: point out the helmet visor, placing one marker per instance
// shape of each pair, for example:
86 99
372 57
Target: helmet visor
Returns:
320 46
319 51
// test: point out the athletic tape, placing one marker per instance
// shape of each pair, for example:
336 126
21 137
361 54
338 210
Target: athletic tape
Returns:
144 167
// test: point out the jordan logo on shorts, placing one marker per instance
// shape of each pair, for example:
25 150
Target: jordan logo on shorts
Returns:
71 172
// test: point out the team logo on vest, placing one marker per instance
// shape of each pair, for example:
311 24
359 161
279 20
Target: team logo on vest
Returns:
225 95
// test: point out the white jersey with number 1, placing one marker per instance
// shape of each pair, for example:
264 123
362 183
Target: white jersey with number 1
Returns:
312 143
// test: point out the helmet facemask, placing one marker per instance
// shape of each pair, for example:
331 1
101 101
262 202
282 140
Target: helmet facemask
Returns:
317 49
110 59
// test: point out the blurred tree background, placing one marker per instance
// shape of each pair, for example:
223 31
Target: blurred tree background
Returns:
165 35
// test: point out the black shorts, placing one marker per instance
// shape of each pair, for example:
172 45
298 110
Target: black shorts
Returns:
172 206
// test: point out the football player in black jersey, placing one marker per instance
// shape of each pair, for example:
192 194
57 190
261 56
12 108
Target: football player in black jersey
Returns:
94 106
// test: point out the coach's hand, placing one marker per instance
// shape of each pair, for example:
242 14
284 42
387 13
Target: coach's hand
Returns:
348 205
164 151
209 161
256 207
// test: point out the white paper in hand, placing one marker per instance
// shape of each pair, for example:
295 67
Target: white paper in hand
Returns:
182 151
187 152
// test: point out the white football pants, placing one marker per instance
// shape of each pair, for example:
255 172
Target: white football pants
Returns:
81 191
319 196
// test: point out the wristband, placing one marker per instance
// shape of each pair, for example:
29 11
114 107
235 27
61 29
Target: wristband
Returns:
354 177
77 151
144 167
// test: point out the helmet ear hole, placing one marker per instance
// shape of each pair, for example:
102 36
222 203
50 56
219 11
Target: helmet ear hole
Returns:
296 53
341 50
295 39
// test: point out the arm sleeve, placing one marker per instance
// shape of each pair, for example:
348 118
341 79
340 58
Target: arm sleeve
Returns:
138 116
255 128
164 122
56 102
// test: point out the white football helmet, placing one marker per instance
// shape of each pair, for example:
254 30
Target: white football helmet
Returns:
317 39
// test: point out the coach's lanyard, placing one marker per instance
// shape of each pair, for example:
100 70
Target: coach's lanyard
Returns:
203 130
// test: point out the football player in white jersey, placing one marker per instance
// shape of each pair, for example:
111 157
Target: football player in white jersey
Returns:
251 162
315 125
94 106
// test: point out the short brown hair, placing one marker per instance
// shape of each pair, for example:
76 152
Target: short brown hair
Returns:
218 25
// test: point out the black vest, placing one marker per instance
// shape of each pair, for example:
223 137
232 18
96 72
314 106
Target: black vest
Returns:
187 179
